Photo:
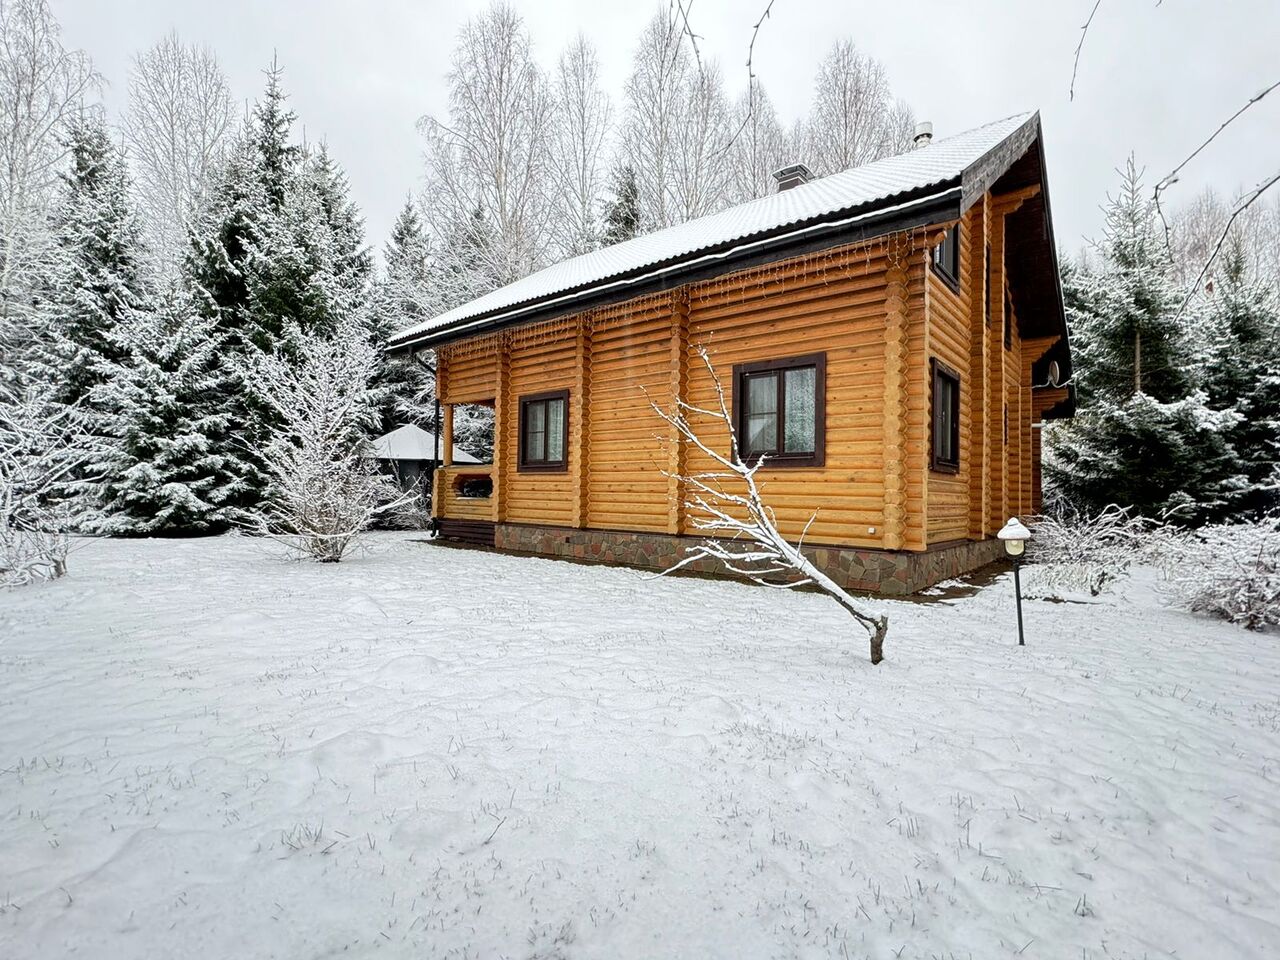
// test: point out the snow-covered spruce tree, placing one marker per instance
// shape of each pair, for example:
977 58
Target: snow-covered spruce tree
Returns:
1143 436
727 505
323 490
1242 374
278 251
167 465
401 298
97 278
622 210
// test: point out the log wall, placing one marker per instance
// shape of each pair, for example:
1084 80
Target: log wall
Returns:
877 310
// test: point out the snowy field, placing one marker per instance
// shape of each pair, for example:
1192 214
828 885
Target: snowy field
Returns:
206 751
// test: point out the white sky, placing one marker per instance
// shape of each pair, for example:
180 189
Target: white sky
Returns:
1153 79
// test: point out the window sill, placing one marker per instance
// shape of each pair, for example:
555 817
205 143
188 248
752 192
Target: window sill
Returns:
542 468
951 469
787 463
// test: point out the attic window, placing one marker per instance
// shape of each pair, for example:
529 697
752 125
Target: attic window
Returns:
946 257
780 410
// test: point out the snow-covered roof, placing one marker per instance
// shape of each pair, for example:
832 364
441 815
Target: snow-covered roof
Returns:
411 442
873 186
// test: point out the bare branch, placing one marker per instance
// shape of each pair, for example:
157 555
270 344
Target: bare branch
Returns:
1244 204
1084 32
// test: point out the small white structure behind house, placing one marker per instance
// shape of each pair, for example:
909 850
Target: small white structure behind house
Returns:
411 453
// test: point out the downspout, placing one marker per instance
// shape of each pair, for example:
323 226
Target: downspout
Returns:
436 434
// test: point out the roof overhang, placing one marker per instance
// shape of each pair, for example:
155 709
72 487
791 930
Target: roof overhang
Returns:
939 203
1016 162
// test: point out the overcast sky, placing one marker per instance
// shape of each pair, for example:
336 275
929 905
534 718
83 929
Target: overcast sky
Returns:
1154 80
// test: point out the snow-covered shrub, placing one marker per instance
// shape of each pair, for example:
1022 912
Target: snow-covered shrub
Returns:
323 490
1074 552
41 444
1231 571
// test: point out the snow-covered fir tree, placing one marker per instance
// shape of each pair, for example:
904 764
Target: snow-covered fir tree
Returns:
168 464
622 210
402 298
279 251
1143 436
1242 373
97 274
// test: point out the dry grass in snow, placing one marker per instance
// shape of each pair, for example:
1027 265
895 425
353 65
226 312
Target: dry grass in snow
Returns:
424 752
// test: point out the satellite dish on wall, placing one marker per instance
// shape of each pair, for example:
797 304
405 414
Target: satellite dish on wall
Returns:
1055 373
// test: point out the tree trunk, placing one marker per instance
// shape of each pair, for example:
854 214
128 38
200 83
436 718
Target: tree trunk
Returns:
877 639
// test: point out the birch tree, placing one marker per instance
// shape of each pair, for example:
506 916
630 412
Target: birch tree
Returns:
491 154
578 160
700 168
855 118
655 98
179 125
42 87
760 147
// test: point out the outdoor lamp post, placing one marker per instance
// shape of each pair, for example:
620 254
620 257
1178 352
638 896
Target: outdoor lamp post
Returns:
1015 537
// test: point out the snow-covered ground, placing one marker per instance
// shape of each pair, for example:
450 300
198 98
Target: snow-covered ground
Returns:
206 751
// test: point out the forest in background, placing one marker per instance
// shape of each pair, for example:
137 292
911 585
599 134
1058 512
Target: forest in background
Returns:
163 272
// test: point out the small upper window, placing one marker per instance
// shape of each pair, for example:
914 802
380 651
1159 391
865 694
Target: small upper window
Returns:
945 440
987 299
780 407
544 426
946 256
1008 319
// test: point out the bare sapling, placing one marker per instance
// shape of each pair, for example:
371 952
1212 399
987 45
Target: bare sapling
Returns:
41 446
727 506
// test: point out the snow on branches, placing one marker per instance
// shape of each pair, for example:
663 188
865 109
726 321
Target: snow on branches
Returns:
41 445
323 490
727 505
1077 552
1230 571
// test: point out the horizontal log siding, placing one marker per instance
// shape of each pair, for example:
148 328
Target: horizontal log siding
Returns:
454 507
797 309
472 371
630 354
541 360
949 342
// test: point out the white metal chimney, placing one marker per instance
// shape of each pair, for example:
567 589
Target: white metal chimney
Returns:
924 134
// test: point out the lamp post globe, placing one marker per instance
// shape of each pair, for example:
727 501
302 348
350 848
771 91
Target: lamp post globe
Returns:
1015 535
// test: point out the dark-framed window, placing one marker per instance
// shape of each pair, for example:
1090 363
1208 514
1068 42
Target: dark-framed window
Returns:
1008 318
944 442
544 431
946 257
987 299
780 410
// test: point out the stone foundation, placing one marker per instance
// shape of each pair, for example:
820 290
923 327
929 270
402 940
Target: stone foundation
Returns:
892 573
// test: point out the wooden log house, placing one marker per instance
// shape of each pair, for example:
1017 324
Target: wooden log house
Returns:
892 336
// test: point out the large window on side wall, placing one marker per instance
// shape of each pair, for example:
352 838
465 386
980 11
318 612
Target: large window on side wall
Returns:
944 440
780 410
544 431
